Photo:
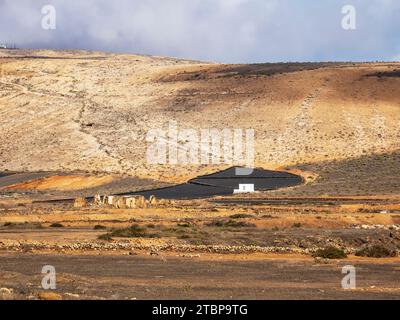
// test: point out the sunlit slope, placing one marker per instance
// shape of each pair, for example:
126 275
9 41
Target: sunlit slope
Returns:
91 111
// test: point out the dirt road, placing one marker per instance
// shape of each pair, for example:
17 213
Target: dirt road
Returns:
157 277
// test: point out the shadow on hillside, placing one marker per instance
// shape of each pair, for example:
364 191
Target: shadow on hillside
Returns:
367 175
385 74
245 70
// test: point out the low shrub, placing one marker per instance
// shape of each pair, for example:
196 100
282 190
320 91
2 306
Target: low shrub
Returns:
106 237
134 231
23 225
241 216
184 225
376 251
184 236
230 224
330 253
239 224
56 225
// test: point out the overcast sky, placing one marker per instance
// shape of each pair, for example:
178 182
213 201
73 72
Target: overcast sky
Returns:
214 30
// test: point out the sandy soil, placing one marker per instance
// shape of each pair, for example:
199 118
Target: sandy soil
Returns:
62 183
119 277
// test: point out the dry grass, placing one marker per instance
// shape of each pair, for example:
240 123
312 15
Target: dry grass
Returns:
367 175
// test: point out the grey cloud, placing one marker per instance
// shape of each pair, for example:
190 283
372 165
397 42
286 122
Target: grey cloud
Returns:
216 30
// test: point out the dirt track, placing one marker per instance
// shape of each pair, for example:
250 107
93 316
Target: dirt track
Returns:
122 277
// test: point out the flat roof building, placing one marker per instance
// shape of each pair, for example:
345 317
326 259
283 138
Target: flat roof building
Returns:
245 188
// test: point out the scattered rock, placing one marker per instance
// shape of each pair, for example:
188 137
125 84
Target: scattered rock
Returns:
153 200
377 226
6 293
72 295
154 253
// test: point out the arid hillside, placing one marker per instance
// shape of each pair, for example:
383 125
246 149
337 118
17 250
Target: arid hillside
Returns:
73 141
91 111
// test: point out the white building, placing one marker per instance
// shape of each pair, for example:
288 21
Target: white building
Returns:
245 188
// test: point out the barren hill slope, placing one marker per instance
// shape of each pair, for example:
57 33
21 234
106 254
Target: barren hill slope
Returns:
91 111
